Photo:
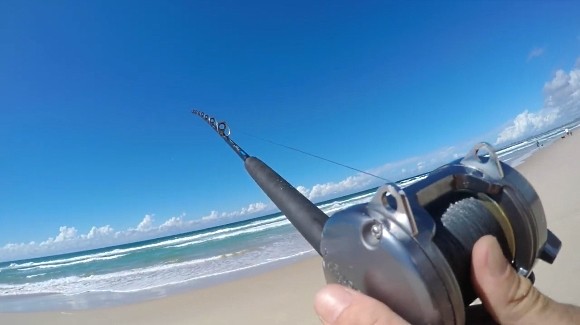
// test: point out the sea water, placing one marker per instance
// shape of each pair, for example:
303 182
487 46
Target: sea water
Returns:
159 267
155 268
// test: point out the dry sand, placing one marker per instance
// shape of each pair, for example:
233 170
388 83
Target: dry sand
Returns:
555 174
284 296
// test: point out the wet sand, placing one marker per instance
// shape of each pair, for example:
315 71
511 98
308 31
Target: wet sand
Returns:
285 295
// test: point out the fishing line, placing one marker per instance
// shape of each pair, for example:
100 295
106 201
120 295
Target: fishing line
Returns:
224 132
311 155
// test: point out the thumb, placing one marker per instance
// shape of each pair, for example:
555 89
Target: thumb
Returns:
337 305
507 296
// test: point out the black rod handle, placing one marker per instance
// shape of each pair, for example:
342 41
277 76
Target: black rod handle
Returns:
302 213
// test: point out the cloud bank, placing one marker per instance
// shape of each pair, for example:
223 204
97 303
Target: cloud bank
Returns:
391 171
69 240
561 104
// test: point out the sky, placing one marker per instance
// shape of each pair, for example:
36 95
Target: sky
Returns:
98 145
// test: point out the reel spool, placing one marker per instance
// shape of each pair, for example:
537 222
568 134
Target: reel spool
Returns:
411 248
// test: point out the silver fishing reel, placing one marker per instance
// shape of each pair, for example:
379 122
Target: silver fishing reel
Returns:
411 248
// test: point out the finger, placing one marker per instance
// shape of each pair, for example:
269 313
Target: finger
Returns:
509 298
338 305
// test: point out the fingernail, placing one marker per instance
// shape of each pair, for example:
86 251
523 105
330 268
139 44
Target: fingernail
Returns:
496 262
331 303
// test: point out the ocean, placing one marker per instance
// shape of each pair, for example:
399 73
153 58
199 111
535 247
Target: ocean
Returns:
156 268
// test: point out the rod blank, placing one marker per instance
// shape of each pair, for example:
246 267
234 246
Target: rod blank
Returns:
306 217
303 214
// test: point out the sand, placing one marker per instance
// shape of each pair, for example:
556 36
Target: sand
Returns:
555 174
281 296
285 295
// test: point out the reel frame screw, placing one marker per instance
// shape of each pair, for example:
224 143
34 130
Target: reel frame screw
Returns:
377 230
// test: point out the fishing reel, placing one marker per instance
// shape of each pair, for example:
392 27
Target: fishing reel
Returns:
411 247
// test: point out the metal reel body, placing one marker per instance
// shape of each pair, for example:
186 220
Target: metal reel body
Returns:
385 248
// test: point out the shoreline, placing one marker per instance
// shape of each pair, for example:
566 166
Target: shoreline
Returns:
284 294
56 302
265 298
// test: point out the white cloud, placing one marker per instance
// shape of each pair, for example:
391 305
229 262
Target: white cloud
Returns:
526 123
253 208
212 216
172 223
561 104
146 224
349 184
66 233
563 92
100 232
536 52
303 190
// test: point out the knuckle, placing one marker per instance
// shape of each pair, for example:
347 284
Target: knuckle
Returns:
524 300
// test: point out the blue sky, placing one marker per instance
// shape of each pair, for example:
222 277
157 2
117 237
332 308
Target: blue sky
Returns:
98 144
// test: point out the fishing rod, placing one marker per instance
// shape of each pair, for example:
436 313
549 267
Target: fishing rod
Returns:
302 213
411 247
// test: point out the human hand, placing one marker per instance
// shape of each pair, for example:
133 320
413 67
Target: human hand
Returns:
507 297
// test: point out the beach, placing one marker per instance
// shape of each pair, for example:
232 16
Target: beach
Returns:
281 296
554 173
285 295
